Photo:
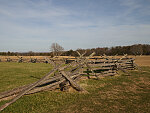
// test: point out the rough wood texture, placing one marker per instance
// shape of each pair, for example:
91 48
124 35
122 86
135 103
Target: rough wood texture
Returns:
17 90
50 86
72 83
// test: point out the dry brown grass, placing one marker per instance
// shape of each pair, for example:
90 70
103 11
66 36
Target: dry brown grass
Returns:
140 60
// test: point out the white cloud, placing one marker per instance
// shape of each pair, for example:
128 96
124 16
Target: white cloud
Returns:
135 6
39 10
27 25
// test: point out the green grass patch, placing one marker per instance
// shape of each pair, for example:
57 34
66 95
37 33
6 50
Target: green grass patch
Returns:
18 74
116 94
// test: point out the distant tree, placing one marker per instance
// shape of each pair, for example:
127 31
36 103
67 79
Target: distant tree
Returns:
146 49
137 49
31 53
56 49
8 53
81 51
69 53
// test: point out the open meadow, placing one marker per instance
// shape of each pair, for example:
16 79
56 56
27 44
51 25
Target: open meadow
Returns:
74 56
114 94
139 60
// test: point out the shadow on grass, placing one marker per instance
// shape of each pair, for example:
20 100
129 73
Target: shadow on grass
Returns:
35 77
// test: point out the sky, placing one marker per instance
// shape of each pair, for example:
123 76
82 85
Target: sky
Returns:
33 25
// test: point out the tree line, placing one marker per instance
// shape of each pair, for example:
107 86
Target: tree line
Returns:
56 50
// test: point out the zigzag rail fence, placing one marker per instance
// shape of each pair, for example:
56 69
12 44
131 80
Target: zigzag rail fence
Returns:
63 76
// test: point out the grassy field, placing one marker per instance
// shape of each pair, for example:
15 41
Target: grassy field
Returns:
143 60
140 60
117 94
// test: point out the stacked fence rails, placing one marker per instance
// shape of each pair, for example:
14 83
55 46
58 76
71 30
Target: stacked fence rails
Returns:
61 76
29 59
97 65
106 66
125 62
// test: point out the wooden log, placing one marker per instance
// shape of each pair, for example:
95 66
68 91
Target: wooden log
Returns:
50 61
91 71
65 84
72 83
109 74
17 90
101 65
123 70
51 86
12 92
48 80
103 68
76 72
38 89
27 89
82 63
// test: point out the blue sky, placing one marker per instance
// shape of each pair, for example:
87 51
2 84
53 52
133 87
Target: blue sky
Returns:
33 25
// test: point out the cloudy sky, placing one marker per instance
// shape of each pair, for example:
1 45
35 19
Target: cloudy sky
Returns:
33 25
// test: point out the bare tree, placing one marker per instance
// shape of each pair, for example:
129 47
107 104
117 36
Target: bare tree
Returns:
137 49
56 49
